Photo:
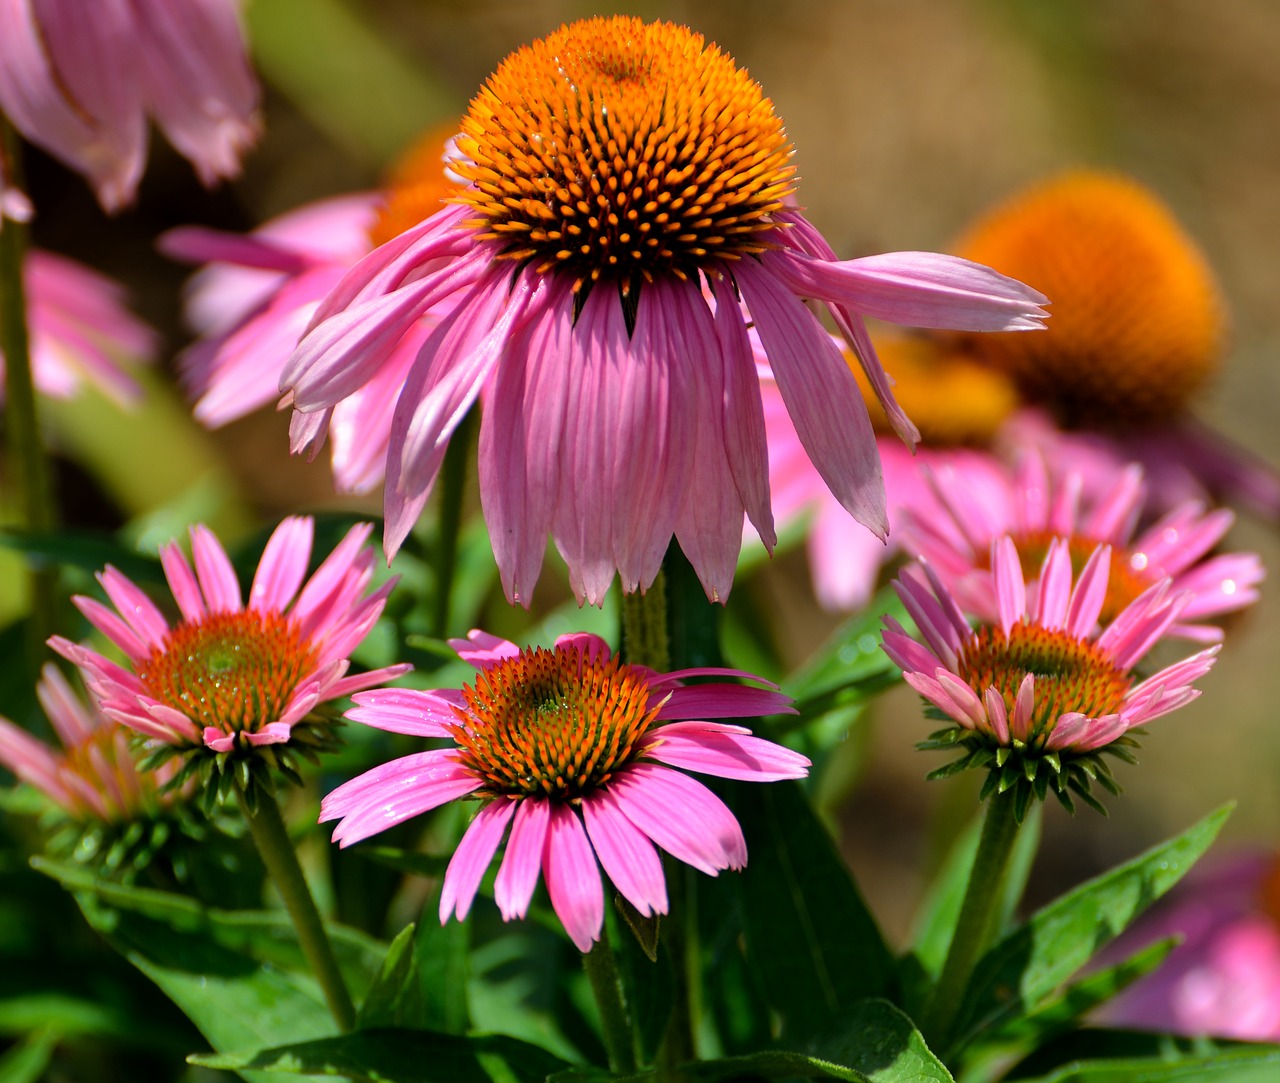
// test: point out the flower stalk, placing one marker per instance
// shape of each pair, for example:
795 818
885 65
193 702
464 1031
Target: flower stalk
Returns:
615 1022
272 840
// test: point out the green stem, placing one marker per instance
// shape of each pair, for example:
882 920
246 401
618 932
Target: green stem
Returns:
453 487
978 912
645 640
615 1024
27 458
281 860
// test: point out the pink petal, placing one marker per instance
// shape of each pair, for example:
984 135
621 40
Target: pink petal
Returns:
138 611
723 701
182 582
482 649
1053 592
725 751
573 878
472 857
217 577
283 565
1011 591
110 624
1090 593
518 873
629 858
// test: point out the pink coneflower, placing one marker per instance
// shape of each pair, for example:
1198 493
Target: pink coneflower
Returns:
230 677
95 775
1223 979
958 408
626 216
81 331
575 751
81 80
253 301
1039 694
1033 506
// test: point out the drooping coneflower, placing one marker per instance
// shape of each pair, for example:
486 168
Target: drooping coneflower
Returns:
583 757
1039 696
626 215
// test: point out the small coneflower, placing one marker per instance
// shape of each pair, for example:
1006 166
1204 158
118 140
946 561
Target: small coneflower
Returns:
958 407
230 681
583 757
1139 328
81 331
1033 506
253 300
626 215
1039 696
81 81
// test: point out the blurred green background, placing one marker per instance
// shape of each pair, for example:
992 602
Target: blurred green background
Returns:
909 117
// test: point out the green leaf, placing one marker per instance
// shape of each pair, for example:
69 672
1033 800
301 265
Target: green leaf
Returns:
1021 972
810 936
399 1056
444 969
413 862
1246 1065
67 1015
87 551
26 1062
392 995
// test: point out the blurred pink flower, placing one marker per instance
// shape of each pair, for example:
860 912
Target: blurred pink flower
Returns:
81 79
601 305
80 330
94 776
1085 508
1046 681
230 676
1223 980
574 750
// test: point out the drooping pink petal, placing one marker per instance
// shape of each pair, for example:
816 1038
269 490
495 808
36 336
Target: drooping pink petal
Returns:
573 878
518 873
725 751
471 859
628 857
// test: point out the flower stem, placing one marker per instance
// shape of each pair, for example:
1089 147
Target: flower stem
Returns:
281 860
453 478
602 972
26 453
645 640
976 922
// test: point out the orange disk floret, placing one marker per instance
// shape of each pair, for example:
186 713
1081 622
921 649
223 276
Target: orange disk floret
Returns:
1137 323
953 400
619 149
417 186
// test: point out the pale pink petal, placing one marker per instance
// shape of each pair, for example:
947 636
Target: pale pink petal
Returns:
1011 591
273 733
725 751
518 873
182 581
1090 593
1053 592
482 649
217 577
573 878
1023 707
629 858
218 740
471 859
997 716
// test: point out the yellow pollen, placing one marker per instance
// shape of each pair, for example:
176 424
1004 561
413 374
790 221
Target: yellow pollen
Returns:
622 150
552 723
1070 674
1137 323
416 187
233 671
953 400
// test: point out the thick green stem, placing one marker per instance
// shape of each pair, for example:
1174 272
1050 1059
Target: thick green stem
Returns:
28 462
976 922
453 487
615 1023
281 860
645 640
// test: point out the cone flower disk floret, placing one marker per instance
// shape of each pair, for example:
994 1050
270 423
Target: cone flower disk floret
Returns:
230 677
577 753
1038 695
626 217
1034 506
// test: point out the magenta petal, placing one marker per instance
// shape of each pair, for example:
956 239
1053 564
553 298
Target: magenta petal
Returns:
723 701
1053 592
217 577
573 878
407 710
629 858
273 733
110 624
217 740
482 649
182 581
725 751
138 611
1090 593
518 873
283 565
472 857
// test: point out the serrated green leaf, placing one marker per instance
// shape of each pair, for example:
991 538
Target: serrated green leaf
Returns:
810 937
399 1056
1022 971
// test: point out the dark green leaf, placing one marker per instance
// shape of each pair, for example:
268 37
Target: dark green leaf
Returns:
26 1062
1021 972
87 551
412 862
392 995
1247 1065
67 1015
444 969
810 937
400 1056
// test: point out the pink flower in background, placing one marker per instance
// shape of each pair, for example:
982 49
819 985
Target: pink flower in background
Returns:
574 751
230 675
1045 681
80 330
1034 505
94 776
1223 980
81 80
601 301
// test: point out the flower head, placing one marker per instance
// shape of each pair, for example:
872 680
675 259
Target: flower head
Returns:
625 217
1037 696
80 330
80 80
230 678
574 750
1033 506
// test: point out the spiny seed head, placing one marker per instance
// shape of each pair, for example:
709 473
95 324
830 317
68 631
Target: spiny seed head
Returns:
233 671
622 150
552 722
